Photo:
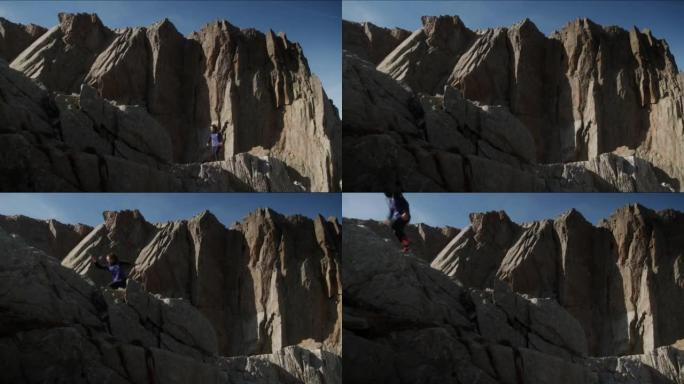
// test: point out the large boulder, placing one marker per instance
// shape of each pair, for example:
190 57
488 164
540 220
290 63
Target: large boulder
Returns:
426 241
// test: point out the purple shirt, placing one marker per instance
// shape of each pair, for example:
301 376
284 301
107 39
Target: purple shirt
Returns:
117 272
215 140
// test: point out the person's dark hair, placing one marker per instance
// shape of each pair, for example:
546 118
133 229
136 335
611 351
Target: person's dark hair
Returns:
113 257
388 194
214 127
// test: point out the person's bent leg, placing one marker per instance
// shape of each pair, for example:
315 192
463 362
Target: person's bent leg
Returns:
397 228
117 284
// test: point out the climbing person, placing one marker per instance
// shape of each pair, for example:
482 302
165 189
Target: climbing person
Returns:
399 216
215 142
115 267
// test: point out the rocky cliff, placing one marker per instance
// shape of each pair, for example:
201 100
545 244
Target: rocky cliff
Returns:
14 38
266 283
405 322
426 241
258 303
50 236
370 42
257 87
587 108
60 327
618 279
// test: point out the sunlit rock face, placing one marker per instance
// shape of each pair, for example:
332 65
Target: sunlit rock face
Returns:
256 87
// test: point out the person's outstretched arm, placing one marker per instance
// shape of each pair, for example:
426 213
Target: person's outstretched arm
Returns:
97 263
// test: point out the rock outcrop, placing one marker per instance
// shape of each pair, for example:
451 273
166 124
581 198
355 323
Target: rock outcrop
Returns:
405 322
618 280
426 241
370 42
14 38
59 327
268 282
256 87
50 236
589 108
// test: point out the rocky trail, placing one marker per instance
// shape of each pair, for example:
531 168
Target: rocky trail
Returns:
87 108
259 302
555 301
446 108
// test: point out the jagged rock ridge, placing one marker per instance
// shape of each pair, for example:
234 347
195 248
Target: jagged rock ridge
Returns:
618 280
371 42
602 108
258 84
266 283
50 236
405 322
426 241
14 38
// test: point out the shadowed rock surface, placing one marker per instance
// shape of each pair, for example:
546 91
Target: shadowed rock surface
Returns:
145 97
14 38
405 322
588 108
60 327
257 303
50 236
426 241
370 42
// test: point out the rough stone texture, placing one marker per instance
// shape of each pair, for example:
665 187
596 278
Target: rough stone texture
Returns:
249 280
661 365
426 241
424 60
258 84
618 280
243 172
85 143
291 364
405 322
14 38
50 236
370 42
589 108
60 327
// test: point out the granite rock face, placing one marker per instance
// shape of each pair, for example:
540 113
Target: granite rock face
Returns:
618 279
14 38
580 95
62 328
256 87
370 42
50 236
268 282
405 322
426 241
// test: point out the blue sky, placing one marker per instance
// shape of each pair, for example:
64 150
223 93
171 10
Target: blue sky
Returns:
87 208
315 25
664 18
440 209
